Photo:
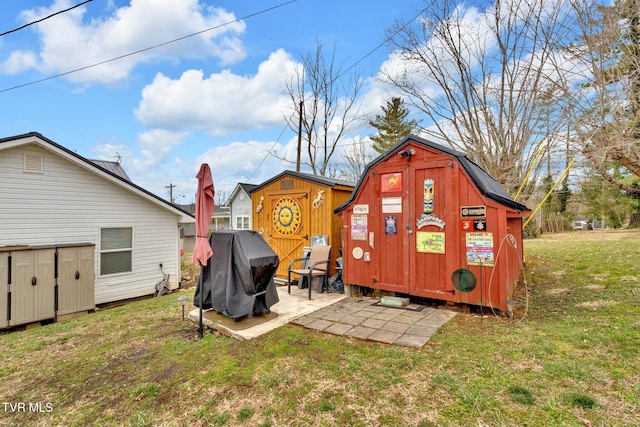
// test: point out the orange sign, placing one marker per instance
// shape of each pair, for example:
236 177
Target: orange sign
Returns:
391 182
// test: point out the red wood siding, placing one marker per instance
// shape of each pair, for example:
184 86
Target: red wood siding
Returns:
419 256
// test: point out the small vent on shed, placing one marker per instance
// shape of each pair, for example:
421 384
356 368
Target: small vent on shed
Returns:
33 163
286 184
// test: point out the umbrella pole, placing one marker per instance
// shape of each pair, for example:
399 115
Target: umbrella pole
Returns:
200 285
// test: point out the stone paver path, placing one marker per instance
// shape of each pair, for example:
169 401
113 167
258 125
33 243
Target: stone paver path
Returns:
361 318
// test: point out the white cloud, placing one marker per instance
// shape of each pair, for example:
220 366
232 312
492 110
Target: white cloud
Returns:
18 61
148 162
243 162
223 102
156 168
150 166
71 41
112 152
155 147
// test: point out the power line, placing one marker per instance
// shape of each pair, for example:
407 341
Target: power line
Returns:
268 152
45 18
385 41
147 48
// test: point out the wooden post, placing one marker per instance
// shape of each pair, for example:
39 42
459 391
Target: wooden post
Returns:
299 136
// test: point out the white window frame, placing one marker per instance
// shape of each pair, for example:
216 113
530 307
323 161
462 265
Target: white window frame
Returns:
116 250
243 218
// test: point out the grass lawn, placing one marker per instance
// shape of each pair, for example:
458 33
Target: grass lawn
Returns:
573 360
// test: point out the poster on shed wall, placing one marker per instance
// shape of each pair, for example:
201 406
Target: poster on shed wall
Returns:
390 224
430 242
358 227
480 249
391 182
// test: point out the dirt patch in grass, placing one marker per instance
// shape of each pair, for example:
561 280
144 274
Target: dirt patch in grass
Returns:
630 279
597 304
557 291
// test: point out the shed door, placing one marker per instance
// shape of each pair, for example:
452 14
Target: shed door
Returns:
288 226
434 238
4 288
391 235
32 286
75 279
415 240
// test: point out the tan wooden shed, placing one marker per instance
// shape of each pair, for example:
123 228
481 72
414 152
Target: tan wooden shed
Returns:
293 207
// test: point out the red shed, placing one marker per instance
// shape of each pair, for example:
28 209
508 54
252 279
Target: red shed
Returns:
423 216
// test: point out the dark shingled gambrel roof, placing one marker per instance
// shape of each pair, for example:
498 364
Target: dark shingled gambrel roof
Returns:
487 185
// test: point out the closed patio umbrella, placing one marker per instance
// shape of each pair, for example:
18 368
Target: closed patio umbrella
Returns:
204 210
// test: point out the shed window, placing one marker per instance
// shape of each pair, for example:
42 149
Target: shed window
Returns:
116 249
242 222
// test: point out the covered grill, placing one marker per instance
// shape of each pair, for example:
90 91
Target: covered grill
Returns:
238 279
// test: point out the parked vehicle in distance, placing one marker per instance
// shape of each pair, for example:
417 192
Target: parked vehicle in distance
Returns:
581 225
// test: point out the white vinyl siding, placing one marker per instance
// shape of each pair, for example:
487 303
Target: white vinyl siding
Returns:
69 204
241 209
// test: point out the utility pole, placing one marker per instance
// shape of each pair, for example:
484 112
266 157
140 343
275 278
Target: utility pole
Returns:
171 186
299 136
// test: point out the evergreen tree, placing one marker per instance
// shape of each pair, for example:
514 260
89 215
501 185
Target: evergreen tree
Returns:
392 125
605 201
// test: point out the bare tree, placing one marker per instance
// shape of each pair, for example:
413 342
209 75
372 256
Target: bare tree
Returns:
324 97
606 93
484 76
221 197
356 159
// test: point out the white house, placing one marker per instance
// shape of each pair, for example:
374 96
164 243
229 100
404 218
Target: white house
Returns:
239 204
53 196
220 220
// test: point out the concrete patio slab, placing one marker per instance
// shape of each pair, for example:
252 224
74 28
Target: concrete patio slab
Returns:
288 308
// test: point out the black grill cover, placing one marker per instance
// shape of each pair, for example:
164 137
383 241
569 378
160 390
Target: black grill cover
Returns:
238 279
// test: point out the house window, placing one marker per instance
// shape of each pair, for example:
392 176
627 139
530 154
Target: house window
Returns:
242 222
116 249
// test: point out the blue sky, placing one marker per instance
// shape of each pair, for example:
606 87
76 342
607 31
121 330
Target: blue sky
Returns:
218 97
